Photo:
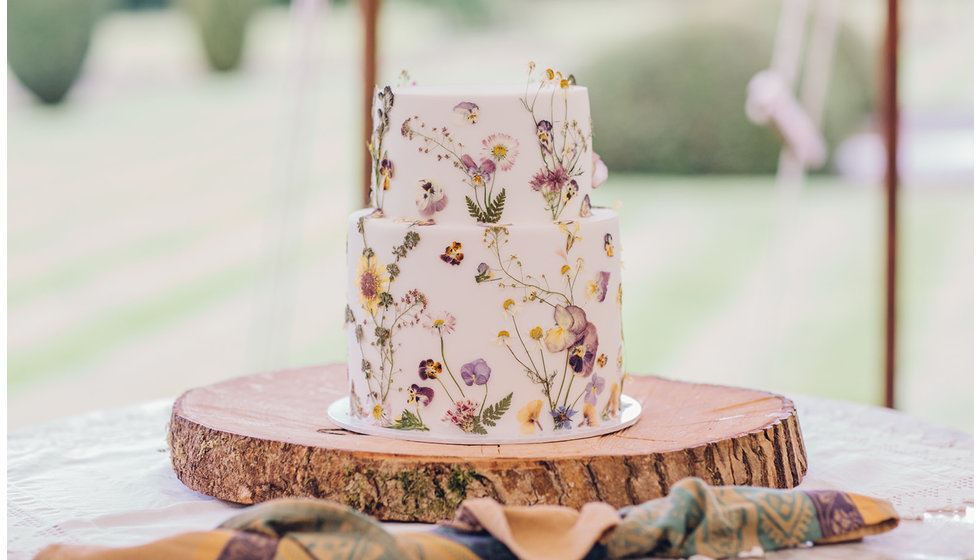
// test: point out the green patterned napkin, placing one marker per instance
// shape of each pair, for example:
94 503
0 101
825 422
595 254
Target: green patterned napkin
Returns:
695 518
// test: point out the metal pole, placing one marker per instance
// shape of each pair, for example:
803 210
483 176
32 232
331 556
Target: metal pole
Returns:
370 10
890 122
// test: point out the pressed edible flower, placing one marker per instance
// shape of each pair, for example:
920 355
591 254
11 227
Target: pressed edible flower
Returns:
612 405
545 136
571 233
589 416
429 369
453 254
443 323
430 198
476 372
528 416
586 209
463 415
594 388
371 280
571 191
420 395
597 289
599 171
502 149
467 112
570 323
563 417
380 414
503 337
387 172
483 272
479 174
581 355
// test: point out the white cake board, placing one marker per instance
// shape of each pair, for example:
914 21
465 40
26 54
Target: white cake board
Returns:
339 413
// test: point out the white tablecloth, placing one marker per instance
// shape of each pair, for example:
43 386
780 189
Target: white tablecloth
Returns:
104 478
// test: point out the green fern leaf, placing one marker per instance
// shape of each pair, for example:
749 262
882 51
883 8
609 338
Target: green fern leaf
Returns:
478 428
409 421
496 208
495 412
474 209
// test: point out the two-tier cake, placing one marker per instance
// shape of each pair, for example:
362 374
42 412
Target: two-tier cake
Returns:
485 298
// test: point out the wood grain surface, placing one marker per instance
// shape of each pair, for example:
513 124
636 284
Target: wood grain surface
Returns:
266 436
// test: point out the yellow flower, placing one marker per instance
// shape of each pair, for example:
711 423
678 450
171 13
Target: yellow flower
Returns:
528 416
550 73
377 411
565 269
564 83
601 360
591 290
511 307
572 234
570 322
612 407
589 416
537 333
371 281
503 337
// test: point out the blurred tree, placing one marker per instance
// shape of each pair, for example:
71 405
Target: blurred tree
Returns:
47 41
675 103
222 25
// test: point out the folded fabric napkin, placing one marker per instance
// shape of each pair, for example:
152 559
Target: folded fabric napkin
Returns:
695 519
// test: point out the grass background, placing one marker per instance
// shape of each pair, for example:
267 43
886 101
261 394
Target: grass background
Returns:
169 228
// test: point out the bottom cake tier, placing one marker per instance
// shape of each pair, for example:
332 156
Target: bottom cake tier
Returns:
484 333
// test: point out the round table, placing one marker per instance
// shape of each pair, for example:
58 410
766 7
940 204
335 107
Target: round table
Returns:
105 478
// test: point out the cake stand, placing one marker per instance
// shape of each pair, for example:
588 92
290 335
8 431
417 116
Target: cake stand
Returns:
266 436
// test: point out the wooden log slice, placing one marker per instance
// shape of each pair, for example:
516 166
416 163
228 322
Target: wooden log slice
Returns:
267 436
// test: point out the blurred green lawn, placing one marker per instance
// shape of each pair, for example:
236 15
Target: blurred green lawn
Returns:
147 252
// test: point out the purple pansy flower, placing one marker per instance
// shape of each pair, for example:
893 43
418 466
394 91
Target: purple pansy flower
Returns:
429 369
572 190
467 111
603 286
586 209
582 353
479 174
594 388
483 272
545 138
571 324
421 395
430 198
477 372
387 171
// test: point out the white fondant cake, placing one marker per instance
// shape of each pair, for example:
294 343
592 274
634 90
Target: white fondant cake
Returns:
485 298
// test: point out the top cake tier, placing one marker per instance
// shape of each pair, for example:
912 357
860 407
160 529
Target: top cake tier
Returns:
465 155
